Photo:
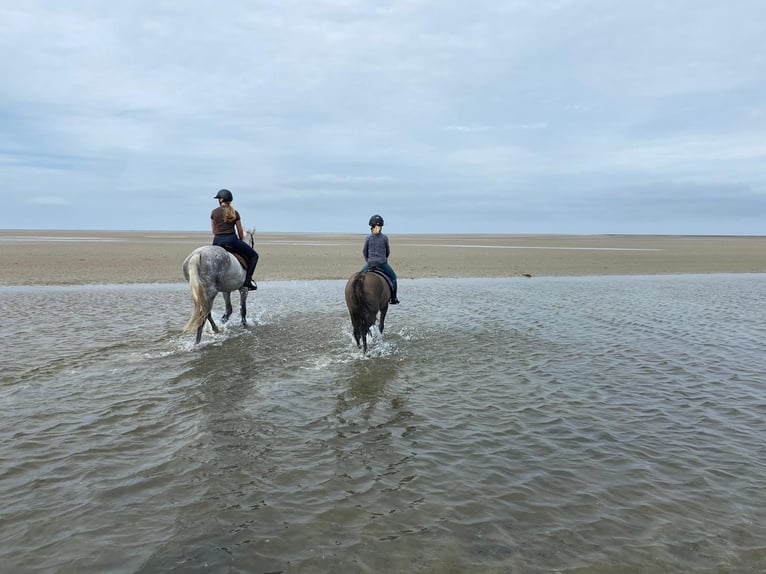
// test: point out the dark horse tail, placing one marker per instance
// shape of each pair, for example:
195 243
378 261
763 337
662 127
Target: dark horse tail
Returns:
360 311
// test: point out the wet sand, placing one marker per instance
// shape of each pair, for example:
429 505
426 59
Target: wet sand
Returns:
97 257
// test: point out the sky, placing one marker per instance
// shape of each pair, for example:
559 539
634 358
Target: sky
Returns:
443 116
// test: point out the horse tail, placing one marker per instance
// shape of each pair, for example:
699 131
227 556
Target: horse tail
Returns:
360 311
202 304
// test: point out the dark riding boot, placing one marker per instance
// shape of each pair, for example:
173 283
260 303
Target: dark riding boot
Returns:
249 283
394 300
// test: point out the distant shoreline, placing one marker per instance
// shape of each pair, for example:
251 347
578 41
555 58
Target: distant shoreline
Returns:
63 257
186 233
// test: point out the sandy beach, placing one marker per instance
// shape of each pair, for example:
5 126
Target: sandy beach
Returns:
97 257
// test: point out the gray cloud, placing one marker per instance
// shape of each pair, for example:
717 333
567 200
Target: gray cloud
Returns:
575 116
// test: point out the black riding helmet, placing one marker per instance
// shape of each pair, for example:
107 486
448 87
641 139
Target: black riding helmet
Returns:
376 220
224 194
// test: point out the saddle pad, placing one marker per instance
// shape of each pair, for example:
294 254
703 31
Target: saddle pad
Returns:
242 260
379 271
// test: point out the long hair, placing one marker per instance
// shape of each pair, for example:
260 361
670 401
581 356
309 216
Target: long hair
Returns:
229 214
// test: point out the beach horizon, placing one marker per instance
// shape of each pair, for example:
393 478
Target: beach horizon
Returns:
71 257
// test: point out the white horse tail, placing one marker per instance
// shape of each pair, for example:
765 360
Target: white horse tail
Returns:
202 305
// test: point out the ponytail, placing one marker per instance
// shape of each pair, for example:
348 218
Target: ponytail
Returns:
229 214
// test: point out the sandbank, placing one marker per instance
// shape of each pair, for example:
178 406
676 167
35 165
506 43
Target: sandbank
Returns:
106 257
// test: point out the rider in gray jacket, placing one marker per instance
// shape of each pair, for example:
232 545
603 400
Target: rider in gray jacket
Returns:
376 251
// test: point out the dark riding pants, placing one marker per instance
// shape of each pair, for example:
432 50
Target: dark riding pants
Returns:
232 243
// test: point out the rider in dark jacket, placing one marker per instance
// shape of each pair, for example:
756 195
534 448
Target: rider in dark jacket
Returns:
376 251
226 226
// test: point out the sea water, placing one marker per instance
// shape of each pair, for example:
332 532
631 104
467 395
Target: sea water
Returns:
586 424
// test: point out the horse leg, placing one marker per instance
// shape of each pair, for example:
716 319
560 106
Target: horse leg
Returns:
358 332
382 323
243 305
227 300
212 323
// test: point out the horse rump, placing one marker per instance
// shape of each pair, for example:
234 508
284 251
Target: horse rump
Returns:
366 295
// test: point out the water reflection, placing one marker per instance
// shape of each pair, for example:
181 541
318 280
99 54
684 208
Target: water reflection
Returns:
363 383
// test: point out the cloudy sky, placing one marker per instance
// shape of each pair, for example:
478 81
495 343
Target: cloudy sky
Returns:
498 116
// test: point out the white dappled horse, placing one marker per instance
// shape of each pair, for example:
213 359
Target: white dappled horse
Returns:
211 270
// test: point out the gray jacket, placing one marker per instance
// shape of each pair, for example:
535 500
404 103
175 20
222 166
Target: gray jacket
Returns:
376 250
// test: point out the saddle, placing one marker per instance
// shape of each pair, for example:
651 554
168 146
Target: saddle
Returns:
242 260
379 271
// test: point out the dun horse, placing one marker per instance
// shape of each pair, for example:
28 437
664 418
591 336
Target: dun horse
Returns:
367 293
211 270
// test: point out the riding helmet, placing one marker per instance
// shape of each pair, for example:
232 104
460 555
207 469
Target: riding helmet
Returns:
376 220
224 194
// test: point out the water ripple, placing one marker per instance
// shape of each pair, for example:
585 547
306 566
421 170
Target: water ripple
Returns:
579 424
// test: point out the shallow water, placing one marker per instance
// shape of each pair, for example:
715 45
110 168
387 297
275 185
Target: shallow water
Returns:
600 424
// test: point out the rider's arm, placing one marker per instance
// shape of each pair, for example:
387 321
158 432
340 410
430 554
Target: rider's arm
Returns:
240 232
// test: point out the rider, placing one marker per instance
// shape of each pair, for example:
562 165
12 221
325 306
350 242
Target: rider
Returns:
376 252
227 232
